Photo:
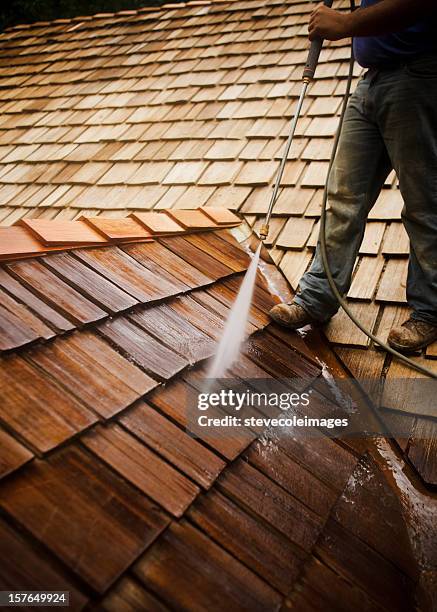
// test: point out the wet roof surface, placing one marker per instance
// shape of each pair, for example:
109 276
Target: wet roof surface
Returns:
184 107
121 505
170 110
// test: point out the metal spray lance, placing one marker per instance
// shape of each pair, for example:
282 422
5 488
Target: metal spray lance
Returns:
308 75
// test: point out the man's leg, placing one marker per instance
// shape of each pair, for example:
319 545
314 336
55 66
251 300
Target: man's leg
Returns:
358 174
408 122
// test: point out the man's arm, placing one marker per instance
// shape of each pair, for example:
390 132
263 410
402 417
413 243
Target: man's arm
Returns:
381 18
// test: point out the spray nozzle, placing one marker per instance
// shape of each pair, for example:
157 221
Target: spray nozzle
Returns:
264 231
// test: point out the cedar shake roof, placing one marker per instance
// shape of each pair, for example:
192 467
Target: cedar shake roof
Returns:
104 493
188 106
129 143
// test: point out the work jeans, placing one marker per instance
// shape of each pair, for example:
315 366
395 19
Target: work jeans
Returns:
390 123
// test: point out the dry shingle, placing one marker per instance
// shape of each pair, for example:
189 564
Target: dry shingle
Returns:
258 201
372 238
191 219
322 126
220 215
59 232
256 173
149 173
220 173
388 206
341 330
88 173
317 149
119 173
396 241
393 281
293 264
225 150
392 316
157 223
185 173
315 175
324 106
117 229
295 233
266 128
275 227
252 150
229 197
366 278
18 241
292 171
292 201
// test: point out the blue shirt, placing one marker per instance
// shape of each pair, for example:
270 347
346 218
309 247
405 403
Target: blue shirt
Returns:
371 51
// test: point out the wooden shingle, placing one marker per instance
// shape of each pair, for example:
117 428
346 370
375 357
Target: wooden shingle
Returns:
315 175
22 563
220 215
388 206
294 264
341 330
142 467
372 238
61 296
132 277
256 173
220 173
295 233
62 233
87 366
191 549
17 242
191 219
13 455
142 348
118 229
366 278
396 241
36 408
180 107
157 223
185 173
180 449
79 520
18 324
393 281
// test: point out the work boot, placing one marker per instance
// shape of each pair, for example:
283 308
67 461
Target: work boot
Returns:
291 315
412 336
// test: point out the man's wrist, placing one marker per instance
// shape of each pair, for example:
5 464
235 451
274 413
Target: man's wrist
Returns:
350 24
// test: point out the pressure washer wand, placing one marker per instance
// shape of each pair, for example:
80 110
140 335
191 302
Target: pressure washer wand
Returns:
308 75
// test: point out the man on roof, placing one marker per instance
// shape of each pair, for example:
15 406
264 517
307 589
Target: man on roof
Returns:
390 123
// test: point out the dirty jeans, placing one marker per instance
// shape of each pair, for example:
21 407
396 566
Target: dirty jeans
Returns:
390 123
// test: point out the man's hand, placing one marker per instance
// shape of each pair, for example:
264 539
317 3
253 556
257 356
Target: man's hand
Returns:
328 23
380 18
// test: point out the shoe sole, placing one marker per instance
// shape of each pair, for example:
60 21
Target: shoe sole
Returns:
295 326
405 350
